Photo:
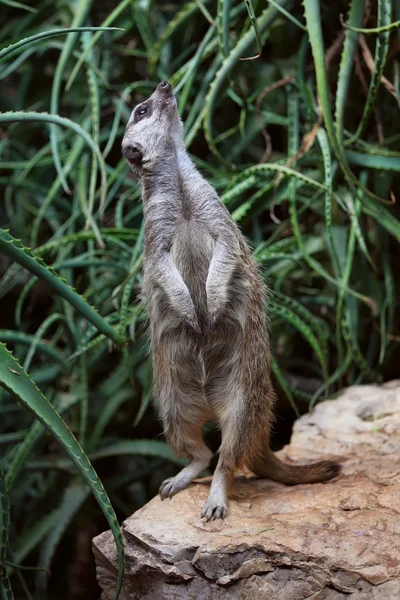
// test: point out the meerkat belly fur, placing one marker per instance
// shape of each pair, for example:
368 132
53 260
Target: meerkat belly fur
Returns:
206 305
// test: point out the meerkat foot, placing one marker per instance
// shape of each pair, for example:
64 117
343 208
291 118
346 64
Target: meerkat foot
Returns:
214 510
216 506
172 486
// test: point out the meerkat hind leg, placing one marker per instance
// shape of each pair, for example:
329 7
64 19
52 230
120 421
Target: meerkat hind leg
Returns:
216 506
230 455
186 440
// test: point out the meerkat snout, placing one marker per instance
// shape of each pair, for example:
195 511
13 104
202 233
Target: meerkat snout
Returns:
165 93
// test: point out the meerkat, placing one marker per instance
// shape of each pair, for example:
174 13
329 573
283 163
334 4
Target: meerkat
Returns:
206 305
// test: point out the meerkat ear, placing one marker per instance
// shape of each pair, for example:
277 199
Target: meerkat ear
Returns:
133 154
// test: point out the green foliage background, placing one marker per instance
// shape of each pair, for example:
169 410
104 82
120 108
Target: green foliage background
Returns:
301 143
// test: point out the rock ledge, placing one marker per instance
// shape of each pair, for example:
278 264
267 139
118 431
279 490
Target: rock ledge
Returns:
326 541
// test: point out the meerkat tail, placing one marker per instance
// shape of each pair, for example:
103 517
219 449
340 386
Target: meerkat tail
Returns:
270 467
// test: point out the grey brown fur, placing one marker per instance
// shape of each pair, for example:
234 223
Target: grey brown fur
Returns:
205 300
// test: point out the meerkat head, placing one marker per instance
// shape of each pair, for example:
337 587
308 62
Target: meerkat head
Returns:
154 129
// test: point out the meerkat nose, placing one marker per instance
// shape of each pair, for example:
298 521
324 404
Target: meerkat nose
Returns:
165 87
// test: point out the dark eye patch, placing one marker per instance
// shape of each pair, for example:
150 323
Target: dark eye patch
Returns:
142 111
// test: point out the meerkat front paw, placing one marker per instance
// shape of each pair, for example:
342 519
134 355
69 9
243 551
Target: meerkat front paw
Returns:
215 308
213 318
193 322
188 312
215 311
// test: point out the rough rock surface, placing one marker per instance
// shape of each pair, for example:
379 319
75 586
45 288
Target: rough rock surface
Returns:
327 541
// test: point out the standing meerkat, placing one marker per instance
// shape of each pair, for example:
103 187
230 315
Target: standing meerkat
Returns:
206 305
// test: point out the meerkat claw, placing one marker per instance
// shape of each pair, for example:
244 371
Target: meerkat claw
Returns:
213 512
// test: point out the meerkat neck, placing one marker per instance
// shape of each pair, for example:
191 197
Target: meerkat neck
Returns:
169 178
160 177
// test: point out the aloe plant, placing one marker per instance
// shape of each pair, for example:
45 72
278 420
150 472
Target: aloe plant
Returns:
14 379
16 251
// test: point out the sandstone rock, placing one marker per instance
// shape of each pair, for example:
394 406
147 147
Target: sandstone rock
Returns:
326 541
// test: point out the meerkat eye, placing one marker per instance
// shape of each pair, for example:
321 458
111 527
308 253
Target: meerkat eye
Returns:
141 112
